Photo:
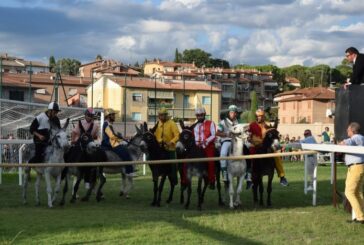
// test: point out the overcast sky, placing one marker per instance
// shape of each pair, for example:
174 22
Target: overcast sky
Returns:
256 32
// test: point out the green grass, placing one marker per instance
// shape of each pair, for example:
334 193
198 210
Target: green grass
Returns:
116 220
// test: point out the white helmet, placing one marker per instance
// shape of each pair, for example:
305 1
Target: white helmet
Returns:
53 106
200 111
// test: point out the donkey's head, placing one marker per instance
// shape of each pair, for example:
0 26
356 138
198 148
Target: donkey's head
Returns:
271 139
186 137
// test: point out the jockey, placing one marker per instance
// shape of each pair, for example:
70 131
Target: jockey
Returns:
167 135
224 133
257 130
40 129
205 134
91 129
225 139
114 141
86 125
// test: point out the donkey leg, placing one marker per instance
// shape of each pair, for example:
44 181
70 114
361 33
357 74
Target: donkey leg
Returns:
75 188
25 186
172 185
231 190
206 180
57 188
199 193
102 178
261 190
160 190
189 191
237 202
255 191
182 198
269 191
218 186
37 187
47 177
123 184
128 186
65 189
155 191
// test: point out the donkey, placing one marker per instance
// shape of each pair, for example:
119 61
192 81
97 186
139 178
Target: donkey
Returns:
136 153
187 148
82 151
237 168
264 166
54 153
155 151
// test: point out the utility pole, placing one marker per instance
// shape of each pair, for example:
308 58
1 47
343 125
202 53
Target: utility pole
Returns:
30 82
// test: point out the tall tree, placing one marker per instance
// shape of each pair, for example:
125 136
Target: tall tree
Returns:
68 66
52 64
98 57
177 56
219 63
198 56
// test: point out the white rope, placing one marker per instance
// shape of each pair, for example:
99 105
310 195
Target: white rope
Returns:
123 163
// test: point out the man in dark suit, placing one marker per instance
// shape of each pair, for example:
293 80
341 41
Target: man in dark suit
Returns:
353 56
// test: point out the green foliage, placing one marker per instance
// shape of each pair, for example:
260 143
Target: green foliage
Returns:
198 56
219 63
52 64
68 66
303 120
178 57
98 57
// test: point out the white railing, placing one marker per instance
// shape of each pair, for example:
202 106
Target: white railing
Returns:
332 149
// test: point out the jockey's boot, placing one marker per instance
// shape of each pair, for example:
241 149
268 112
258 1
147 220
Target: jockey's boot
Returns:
284 181
224 174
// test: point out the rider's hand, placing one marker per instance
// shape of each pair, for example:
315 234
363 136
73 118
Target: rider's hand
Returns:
124 143
169 144
41 137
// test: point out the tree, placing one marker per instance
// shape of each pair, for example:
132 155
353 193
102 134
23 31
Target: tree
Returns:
52 64
177 56
98 57
197 56
68 66
249 116
219 63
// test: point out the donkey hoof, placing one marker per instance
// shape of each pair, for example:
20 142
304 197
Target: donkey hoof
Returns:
84 199
221 204
169 201
153 204
186 206
61 203
121 193
127 196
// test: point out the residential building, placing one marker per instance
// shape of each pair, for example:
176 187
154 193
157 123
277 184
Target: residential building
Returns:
161 67
44 87
235 84
306 105
11 64
293 82
111 68
140 98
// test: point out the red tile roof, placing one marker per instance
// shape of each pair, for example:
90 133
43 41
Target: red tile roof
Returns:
316 93
174 85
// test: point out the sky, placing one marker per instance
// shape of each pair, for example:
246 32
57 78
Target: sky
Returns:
254 32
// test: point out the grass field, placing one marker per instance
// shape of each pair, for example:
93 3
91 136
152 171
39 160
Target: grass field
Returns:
116 220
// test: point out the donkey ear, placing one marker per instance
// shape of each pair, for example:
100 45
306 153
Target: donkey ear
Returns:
66 124
138 130
276 121
145 125
154 128
181 123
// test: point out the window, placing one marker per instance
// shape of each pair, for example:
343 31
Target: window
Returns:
16 95
72 91
206 100
136 116
137 97
186 99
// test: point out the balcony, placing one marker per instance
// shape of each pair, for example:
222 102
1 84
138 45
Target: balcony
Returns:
159 105
174 112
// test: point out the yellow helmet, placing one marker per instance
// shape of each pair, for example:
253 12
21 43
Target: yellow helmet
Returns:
108 112
259 112
163 110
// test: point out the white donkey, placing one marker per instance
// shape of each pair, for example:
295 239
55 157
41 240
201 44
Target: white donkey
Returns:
54 153
237 168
